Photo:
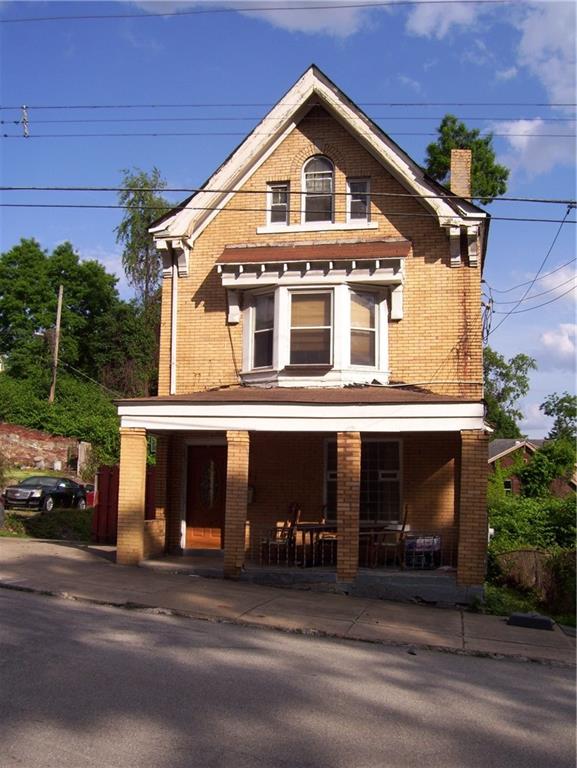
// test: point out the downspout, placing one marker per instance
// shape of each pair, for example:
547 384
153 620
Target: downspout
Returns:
173 321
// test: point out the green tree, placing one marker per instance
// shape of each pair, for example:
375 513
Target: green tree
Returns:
563 409
506 381
488 178
143 205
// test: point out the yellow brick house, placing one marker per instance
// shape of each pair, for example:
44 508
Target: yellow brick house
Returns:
320 346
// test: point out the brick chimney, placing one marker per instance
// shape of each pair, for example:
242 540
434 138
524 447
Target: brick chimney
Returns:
461 172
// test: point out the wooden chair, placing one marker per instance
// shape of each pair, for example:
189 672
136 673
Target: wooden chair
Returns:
279 543
385 542
326 547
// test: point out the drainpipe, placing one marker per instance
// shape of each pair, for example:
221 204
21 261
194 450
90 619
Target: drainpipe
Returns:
173 322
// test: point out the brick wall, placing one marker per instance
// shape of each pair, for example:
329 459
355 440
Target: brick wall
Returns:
440 335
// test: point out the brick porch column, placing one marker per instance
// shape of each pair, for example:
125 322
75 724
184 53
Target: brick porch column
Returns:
175 482
131 496
236 502
348 496
472 552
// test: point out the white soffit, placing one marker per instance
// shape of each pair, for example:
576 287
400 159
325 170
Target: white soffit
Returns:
279 122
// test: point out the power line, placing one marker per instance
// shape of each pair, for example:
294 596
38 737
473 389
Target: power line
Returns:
229 104
231 118
156 134
514 311
232 190
177 208
530 309
258 9
537 295
520 285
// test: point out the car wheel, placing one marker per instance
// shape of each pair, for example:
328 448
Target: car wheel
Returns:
48 505
81 503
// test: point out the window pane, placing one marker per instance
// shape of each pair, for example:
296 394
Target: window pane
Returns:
263 312
310 346
379 498
319 208
362 310
362 348
279 206
319 164
310 309
278 214
359 200
262 349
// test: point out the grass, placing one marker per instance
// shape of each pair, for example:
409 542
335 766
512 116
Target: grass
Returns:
503 601
14 474
64 524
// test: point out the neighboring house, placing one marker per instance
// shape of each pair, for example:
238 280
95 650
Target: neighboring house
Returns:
320 343
508 452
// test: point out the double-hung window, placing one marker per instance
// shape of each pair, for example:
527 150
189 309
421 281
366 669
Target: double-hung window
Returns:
380 487
363 328
319 188
358 199
279 202
263 330
311 328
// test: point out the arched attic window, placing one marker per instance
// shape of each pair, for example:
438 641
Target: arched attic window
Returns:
318 184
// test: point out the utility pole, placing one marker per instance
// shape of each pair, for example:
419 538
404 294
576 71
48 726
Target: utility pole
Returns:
56 345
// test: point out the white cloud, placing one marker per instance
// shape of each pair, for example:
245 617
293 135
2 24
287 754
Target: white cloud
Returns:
506 74
410 82
547 47
336 22
436 19
112 263
535 423
534 154
559 282
558 347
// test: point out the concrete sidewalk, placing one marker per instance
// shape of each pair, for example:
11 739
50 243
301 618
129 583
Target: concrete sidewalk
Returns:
88 573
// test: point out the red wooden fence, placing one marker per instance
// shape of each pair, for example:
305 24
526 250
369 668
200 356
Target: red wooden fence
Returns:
105 515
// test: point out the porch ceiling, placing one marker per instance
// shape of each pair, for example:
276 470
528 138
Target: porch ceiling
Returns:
348 409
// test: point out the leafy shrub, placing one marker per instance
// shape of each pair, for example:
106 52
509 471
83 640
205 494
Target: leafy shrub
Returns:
64 524
521 522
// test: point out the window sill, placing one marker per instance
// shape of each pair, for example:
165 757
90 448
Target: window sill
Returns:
316 226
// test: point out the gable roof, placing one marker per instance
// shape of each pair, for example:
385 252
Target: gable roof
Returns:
504 446
313 88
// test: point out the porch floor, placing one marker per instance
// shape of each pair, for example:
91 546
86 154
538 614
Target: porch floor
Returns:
437 586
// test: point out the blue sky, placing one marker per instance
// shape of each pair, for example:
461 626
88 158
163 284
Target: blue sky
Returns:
437 52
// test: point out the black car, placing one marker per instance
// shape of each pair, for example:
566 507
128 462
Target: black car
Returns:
44 493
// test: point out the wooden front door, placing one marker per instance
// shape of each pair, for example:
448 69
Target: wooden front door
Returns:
205 496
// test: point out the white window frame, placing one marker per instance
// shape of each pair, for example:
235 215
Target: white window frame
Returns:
271 187
304 195
353 180
313 292
379 299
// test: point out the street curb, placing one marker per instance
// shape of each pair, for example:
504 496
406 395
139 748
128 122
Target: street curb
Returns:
160 611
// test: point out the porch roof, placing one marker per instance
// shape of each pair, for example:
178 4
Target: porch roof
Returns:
295 409
351 251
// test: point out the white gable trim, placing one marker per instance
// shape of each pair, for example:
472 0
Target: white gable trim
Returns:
281 120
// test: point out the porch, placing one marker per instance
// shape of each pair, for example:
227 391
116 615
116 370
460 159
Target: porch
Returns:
403 495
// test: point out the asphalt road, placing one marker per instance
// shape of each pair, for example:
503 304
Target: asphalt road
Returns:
90 686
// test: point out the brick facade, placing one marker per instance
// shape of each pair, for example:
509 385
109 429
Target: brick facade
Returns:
441 303
236 502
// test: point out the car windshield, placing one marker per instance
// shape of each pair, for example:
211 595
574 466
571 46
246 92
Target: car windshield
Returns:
34 482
